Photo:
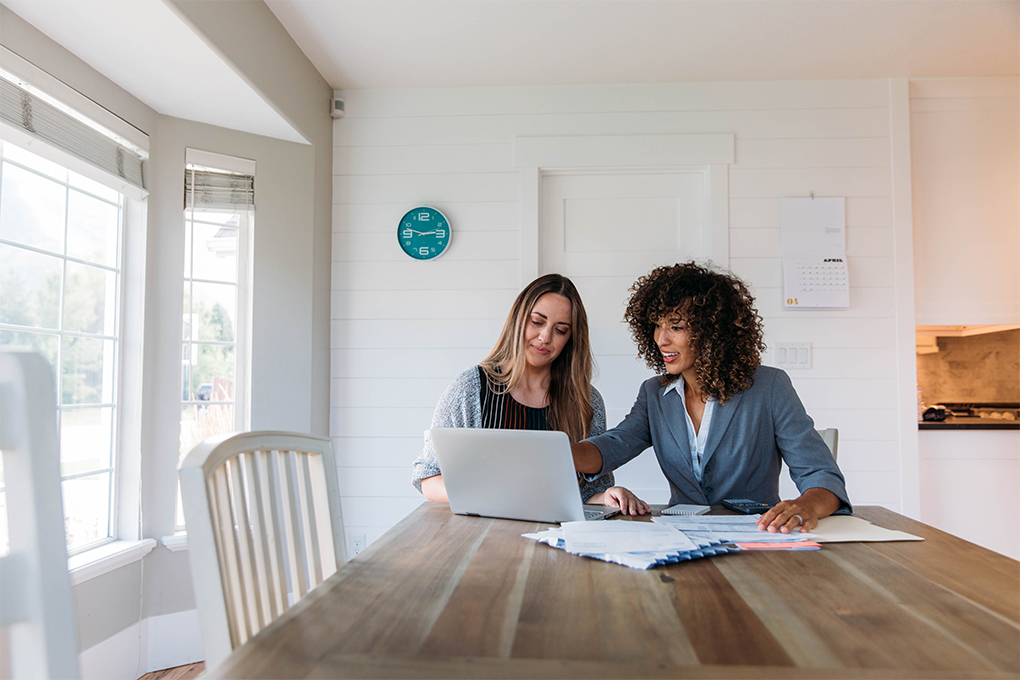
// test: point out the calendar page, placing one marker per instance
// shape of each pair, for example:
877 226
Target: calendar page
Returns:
815 283
814 253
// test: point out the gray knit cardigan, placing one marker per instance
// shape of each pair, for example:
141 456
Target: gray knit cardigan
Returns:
461 406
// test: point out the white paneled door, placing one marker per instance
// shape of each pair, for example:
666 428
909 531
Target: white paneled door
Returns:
603 230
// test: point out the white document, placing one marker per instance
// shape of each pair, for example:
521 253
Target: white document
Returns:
731 529
623 537
813 237
849 529
746 520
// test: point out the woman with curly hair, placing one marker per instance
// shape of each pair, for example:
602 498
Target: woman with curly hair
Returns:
721 423
537 377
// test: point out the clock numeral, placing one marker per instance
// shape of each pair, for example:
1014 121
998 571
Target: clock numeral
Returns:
408 233
440 233
423 251
423 217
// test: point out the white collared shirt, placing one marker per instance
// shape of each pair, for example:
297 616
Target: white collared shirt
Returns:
696 441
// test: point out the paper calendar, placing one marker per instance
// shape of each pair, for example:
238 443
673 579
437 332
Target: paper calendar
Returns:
814 253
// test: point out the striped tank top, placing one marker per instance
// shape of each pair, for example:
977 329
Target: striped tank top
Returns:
501 411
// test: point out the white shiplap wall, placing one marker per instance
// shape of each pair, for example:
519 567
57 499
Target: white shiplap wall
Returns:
402 329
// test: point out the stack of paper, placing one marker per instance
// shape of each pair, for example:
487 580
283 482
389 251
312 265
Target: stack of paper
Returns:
743 529
639 545
730 529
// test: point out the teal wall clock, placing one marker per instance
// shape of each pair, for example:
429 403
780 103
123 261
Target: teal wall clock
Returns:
424 233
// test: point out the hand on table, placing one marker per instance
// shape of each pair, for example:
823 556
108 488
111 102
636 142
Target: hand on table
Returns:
801 513
629 504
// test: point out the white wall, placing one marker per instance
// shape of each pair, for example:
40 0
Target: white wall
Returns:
402 329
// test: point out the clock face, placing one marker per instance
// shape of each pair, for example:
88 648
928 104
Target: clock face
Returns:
424 233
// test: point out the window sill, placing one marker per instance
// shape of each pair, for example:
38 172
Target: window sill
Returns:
106 558
175 543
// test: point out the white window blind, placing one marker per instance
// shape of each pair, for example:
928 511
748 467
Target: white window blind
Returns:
210 190
33 115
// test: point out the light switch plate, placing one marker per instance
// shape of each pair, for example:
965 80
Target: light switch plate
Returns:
790 355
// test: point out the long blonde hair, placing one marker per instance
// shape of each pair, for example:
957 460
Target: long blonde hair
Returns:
570 388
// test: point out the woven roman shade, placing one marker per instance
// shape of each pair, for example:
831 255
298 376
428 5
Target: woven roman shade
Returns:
210 190
31 114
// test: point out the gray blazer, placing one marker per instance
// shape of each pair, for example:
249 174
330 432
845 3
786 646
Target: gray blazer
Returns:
748 439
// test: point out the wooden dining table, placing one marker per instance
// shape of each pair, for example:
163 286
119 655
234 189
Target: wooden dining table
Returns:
448 596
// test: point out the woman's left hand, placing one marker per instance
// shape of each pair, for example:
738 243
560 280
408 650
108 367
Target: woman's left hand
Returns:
629 504
801 513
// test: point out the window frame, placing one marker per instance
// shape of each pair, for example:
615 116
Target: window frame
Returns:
123 317
126 510
243 301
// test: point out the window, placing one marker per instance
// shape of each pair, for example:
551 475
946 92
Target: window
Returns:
72 255
60 272
216 311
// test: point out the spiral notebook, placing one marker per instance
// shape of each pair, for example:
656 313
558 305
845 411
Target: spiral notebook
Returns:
686 510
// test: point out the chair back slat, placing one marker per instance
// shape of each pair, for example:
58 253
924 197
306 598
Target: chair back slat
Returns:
272 502
250 524
312 530
326 559
261 536
298 522
279 533
223 529
245 552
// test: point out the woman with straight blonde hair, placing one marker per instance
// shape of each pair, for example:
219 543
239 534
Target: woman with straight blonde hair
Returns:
537 377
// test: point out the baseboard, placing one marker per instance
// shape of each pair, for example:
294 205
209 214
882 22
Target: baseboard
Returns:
152 644
115 658
171 640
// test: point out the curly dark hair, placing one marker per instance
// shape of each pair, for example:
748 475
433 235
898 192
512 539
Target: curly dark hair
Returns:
724 328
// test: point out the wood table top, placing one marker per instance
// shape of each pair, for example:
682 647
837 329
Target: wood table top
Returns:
442 595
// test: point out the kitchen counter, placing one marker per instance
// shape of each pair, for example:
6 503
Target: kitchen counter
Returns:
954 423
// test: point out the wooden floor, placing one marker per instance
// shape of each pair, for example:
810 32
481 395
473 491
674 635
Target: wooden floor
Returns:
180 673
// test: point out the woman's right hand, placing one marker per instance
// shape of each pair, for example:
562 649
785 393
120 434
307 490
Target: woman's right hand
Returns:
619 497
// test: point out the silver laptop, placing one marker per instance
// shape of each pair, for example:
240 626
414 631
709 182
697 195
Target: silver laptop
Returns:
512 474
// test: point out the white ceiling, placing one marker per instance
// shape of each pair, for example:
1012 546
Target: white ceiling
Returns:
357 44
146 49
361 44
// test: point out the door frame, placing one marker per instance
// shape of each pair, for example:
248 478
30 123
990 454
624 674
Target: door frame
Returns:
711 154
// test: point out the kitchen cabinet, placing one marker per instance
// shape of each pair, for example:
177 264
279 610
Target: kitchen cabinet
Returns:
970 483
965 177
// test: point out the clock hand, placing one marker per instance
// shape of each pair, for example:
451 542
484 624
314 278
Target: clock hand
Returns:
426 233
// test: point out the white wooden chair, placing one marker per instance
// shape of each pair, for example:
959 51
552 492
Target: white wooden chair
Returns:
264 529
35 608
831 439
